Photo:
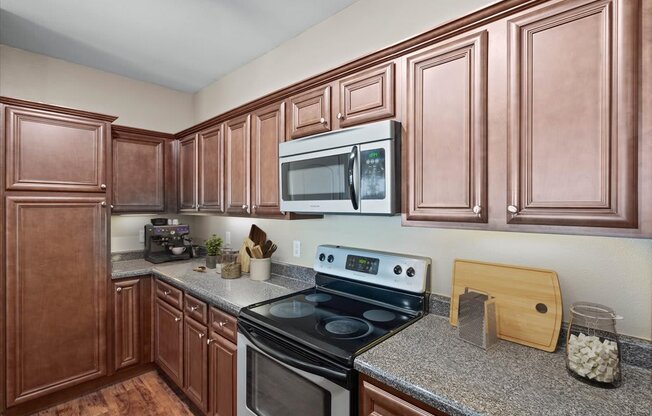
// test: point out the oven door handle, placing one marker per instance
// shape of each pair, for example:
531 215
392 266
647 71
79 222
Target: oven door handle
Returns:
292 361
351 177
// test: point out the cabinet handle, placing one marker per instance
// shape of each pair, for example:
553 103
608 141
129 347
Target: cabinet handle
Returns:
244 206
166 292
208 341
103 186
223 324
201 335
477 209
340 116
103 203
512 209
194 308
177 319
111 206
118 289
322 120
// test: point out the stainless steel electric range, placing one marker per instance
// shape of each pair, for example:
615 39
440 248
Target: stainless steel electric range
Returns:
295 353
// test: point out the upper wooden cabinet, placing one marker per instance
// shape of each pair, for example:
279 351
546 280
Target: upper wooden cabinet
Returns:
309 112
211 169
447 134
237 164
573 107
52 151
188 174
268 130
139 170
55 293
366 96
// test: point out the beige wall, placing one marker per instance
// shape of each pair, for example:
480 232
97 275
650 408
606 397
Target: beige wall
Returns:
613 271
125 230
37 77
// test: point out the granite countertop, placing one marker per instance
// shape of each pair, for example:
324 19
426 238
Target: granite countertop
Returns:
430 363
229 295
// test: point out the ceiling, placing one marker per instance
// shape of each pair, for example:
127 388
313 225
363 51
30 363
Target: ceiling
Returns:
180 44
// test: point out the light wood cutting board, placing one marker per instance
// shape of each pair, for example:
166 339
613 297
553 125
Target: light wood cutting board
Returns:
522 294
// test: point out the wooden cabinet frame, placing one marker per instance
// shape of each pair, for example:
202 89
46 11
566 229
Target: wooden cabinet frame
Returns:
233 160
380 79
318 121
210 199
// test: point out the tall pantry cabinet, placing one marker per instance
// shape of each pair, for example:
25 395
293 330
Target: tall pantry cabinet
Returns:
55 222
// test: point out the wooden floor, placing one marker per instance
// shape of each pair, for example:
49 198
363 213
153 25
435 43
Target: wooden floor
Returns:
147 394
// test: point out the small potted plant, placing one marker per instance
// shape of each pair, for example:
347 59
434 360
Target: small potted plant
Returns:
213 249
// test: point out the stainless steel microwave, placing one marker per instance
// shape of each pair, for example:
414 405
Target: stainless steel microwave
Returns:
349 171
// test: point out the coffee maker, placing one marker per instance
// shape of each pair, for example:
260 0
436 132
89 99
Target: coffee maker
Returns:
162 240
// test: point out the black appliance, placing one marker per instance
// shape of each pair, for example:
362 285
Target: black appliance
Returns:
160 240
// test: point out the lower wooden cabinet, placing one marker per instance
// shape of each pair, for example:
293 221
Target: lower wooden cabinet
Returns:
168 340
132 322
222 376
379 400
195 363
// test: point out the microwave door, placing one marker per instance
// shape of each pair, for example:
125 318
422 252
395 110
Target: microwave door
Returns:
320 181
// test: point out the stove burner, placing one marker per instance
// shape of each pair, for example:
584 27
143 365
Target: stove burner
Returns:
344 327
318 297
292 309
379 315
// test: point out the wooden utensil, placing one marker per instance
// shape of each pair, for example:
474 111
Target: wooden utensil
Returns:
248 250
528 301
257 252
265 248
271 251
257 235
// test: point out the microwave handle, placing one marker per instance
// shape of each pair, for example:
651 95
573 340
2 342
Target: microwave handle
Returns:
351 177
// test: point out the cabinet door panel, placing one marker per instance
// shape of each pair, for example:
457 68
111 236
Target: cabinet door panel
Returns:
268 130
138 173
378 402
223 376
211 169
168 340
188 174
310 112
56 298
573 115
126 323
196 363
51 152
367 96
237 154
447 135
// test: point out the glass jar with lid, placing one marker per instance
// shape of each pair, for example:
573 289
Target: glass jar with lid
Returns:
230 264
592 345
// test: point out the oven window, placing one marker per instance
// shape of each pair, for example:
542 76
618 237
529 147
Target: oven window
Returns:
318 179
273 390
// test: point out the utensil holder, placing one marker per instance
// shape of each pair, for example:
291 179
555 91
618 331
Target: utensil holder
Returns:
477 319
260 269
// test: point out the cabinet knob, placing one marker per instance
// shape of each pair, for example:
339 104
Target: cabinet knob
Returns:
223 324
244 206
177 319
103 203
103 186
201 335
118 289
208 341
166 292
477 209
512 209
194 308
111 206
322 120
340 116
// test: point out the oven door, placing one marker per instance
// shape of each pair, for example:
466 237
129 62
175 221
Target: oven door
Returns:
270 382
323 181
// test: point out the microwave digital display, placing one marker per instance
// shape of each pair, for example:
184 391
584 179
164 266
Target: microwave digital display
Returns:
362 264
372 174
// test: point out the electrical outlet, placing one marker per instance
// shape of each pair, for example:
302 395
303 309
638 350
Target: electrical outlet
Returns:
141 236
227 238
296 248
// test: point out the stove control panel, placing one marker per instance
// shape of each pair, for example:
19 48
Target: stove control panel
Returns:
397 271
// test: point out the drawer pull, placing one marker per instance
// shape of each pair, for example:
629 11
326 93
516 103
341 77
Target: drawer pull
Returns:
194 308
223 323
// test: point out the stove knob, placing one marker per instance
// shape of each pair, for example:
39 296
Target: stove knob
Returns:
410 272
398 269
322 257
330 258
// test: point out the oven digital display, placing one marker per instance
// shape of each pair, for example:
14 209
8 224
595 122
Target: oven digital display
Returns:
362 264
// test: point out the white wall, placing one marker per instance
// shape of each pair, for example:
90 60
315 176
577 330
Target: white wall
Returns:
613 271
35 77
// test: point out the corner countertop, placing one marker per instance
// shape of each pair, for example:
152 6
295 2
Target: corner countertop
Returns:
229 295
430 363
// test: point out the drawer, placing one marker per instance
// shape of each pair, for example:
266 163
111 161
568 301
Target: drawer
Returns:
196 309
224 324
170 294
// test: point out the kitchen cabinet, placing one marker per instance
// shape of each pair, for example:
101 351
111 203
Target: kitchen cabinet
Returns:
573 109
379 400
268 130
48 150
309 112
139 170
132 322
447 134
367 95
56 270
211 169
188 173
195 363
222 376
168 340
237 164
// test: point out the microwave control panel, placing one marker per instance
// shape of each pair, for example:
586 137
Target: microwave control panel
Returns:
372 174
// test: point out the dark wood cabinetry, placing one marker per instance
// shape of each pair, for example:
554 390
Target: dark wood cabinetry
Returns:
237 164
132 322
447 133
139 170
223 367
573 109
56 298
168 340
188 174
211 169
379 400
195 363
366 96
309 112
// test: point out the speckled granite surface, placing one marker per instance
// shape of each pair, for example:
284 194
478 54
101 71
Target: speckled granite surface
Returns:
429 362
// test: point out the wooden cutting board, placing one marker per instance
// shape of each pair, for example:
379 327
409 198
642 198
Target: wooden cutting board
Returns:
528 301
